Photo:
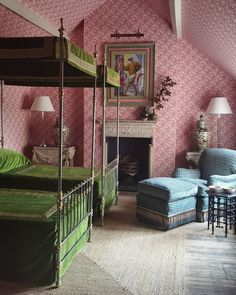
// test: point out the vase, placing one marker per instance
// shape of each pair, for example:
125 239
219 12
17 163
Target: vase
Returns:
154 116
65 133
202 135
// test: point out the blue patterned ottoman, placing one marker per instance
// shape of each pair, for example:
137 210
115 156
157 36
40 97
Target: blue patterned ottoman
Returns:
166 202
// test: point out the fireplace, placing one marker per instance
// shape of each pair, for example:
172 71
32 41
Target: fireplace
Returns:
135 149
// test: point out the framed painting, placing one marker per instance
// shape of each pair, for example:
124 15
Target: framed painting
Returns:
135 63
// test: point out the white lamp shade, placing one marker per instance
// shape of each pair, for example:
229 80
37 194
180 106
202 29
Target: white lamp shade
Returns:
42 104
219 105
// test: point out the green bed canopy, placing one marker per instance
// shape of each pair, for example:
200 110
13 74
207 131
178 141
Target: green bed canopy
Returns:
35 61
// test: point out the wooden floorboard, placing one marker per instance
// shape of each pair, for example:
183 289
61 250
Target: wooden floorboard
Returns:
210 261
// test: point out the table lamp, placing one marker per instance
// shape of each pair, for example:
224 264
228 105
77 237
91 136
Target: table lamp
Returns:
42 104
219 106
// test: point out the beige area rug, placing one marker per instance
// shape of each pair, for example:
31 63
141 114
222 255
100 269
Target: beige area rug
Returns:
143 260
84 277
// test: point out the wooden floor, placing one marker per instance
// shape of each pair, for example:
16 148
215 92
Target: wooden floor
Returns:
210 261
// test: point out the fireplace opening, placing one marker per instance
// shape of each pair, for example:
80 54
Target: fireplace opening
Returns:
134 160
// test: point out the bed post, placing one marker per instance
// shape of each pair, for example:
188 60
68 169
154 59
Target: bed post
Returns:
59 191
93 149
117 140
1 113
104 154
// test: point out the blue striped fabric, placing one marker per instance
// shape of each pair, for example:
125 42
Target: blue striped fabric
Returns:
167 189
217 161
187 190
223 181
163 207
186 173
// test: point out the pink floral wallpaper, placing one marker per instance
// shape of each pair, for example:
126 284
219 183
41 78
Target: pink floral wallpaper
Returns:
210 27
198 80
16 118
12 25
21 126
17 100
72 11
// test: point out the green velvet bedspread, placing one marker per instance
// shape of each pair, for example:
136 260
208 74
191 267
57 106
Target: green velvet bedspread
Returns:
29 235
28 250
43 177
27 204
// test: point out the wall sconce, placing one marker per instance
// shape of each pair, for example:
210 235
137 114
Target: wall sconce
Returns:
42 104
219 106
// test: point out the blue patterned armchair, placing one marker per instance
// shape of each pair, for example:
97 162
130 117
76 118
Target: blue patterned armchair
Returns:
217 166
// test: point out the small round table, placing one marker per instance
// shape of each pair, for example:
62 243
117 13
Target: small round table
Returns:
222 210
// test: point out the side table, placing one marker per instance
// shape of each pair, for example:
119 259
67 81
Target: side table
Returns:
193 158
222 211
49 155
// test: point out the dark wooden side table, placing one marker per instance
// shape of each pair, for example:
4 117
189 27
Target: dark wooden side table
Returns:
222 210
193 158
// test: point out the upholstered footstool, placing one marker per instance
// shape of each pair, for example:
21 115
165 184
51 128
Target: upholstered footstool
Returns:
166 202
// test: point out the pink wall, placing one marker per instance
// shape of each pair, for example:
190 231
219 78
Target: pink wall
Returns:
16 118
210 27
21 126
72 11
17 100
197 79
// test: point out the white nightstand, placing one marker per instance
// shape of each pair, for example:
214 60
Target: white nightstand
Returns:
49 155
193 158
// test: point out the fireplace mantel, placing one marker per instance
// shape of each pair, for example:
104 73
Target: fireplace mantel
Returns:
130 128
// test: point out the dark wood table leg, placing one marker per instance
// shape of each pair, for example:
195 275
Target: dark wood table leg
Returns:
226 215
212 214
209 212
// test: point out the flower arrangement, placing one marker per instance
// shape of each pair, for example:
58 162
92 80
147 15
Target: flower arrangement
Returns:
162 92
148 112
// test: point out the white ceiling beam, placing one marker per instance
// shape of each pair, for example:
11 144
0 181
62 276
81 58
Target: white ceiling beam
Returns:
175 13
29 15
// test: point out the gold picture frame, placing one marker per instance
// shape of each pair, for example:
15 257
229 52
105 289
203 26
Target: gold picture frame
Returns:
135 63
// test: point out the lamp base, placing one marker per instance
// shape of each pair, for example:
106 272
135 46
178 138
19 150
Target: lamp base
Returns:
218 131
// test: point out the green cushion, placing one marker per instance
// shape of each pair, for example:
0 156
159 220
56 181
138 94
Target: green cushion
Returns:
10 159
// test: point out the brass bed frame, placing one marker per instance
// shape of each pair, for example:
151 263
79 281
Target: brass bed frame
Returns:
67 202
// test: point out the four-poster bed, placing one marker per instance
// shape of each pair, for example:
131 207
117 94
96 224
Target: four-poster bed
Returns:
1 114
68 215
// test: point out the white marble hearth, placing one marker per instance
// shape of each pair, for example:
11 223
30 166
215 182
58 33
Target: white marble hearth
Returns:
136 129
131 128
